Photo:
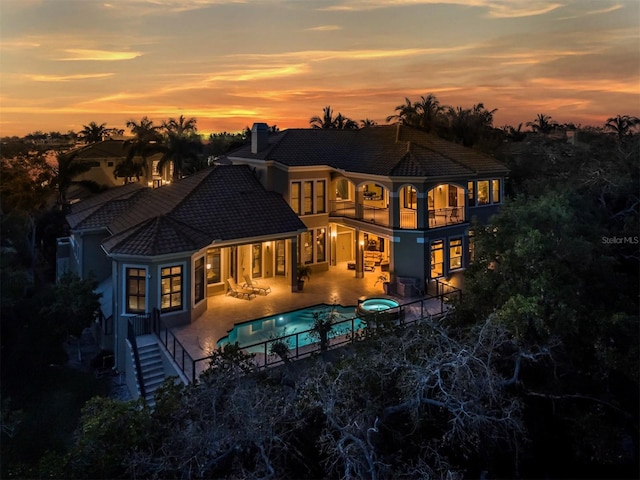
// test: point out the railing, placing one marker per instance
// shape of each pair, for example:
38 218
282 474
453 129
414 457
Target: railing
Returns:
345 331
342 332
377 215
441 217
131 336
177 351
408 218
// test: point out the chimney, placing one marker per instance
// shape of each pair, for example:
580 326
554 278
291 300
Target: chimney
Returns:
259 137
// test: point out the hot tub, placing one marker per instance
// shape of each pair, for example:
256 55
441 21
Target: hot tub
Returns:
378 307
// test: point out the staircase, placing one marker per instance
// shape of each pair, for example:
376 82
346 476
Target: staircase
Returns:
153 373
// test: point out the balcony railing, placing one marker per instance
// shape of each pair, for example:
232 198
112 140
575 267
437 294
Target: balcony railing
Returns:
441 217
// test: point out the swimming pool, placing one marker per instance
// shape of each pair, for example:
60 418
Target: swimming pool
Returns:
289 323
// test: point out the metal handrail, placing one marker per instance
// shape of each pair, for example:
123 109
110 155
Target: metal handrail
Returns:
349 335
131 336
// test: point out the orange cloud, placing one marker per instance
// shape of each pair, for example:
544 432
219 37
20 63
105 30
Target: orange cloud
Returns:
98 55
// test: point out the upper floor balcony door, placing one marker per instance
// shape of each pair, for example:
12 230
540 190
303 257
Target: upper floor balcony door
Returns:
408 207
445 204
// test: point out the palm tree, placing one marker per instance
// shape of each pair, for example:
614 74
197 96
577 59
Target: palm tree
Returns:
428 111
514 134
423 114
67 169
622 125
147 141
327 121
183 151
406 113
93 132
368 123
180 126
543 124
182 146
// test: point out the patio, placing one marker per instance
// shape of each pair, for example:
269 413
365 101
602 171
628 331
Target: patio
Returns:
338 285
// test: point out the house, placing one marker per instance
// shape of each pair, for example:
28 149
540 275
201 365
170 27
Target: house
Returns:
169 248
105 156
391 197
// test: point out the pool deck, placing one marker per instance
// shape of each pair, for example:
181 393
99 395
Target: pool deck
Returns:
337 285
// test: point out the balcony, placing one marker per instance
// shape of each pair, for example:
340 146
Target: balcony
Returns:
367 213
441 217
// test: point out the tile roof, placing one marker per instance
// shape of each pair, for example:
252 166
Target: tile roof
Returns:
104 149
99 210
390 150
221 203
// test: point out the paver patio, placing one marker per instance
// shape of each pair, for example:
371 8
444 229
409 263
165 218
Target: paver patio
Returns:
337 285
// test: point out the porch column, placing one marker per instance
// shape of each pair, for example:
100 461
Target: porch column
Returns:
359 249
333 240
293 261
359 202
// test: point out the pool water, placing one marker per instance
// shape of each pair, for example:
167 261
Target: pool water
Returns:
377 304
268 328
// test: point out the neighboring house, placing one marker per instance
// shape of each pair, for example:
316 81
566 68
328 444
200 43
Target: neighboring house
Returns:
388 195
171 247
105 156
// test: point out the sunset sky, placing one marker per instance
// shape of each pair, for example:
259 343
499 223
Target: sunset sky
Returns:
229 63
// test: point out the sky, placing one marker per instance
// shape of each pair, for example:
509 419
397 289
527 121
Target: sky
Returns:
230 63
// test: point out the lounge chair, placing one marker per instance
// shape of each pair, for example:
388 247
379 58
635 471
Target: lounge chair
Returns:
255 286
238 291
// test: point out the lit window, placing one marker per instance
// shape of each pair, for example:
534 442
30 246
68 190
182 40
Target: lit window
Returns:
308 197
409 199
306 248
483 192
295 197
437 259
136 290
471 199
455 253
321 241
321 190
213 266
198 279
171 288
495 191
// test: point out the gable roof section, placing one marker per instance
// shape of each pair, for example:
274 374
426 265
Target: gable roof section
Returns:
221 203
100 210
390 150
104 149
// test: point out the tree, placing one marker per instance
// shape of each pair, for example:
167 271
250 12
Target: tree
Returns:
67 169
327 121
622 125
424 114
367 122
182 147
543 124
468 126
73 307
93 132
147 141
